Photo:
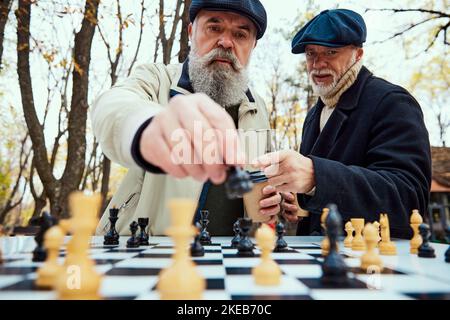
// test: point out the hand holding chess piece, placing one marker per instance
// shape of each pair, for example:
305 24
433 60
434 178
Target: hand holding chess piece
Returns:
267 273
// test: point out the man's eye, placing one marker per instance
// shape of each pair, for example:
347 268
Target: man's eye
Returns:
240 35
331 52
214 28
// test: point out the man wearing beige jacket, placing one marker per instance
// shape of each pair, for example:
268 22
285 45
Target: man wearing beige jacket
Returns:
138 122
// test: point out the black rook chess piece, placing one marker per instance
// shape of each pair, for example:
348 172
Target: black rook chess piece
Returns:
281 244
205 238
425 250
143 236
238 183
133 241
45 222
112 236
197 249
245 246
237 235
334 269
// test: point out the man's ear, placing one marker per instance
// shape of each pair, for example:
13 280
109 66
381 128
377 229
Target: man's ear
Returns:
190 31
359 54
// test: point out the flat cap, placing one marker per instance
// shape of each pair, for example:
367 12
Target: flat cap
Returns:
252 9
331 28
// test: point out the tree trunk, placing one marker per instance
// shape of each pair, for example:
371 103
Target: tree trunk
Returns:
5 7
76 151
106 170
184 37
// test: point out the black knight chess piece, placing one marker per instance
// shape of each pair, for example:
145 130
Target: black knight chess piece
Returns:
133 241
237 235
45 222
425 249
205 237
334 269
245 246
281 244
143 235
238 183
197 249
112 236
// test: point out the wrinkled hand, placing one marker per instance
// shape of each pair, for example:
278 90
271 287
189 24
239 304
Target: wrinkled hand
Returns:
288 171
270 205
176 128
289 208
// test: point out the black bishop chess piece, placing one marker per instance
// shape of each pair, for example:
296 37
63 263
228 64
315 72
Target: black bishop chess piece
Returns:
111 238
205 237
197 250
133 241
143 235
447 253
334 269
237 235
281 244
425 249
238 183
45 222
245 246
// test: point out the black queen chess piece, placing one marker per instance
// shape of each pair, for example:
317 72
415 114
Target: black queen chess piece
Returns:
245 246
334 269
143 235
281 244
133 241
112 236
45 222
205 237
425 249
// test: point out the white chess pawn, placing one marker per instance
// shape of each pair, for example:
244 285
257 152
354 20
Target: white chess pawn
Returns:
416 240
370 259
267 273
49 272
349 238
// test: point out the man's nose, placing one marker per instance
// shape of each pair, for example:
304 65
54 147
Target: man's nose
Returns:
225 41
319 63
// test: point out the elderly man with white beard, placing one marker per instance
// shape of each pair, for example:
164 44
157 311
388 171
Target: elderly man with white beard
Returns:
144 121
364 144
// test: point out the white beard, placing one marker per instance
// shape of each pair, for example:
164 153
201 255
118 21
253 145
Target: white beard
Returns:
325 90
226 85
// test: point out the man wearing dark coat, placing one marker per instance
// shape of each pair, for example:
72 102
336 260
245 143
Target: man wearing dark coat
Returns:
364 145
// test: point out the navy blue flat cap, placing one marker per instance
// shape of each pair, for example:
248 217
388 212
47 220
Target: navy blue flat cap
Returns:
331 28
252 9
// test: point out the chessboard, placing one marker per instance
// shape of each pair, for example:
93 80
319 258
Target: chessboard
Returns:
132 273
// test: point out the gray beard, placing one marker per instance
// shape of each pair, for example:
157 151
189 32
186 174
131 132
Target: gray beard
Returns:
223 84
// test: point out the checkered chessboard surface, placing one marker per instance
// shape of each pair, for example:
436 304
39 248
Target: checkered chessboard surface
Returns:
133 273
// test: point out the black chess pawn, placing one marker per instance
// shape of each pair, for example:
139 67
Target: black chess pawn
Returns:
238 183
205 237
143 235
237 235
133 241
425 249
281 244
334 269
112 236
245 246
197 249
45 222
